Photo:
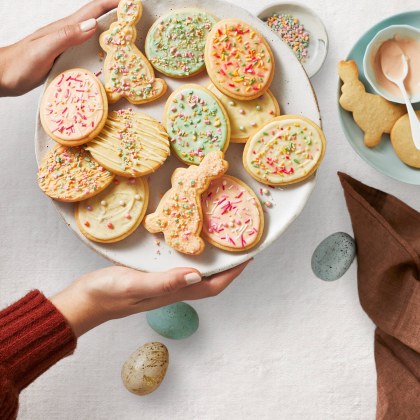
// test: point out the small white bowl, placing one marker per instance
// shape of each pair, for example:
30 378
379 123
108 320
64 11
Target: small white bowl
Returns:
318 42
403 31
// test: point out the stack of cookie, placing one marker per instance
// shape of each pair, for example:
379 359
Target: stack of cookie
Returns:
102 158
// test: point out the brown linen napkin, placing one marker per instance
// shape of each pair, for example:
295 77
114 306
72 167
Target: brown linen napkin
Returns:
387 234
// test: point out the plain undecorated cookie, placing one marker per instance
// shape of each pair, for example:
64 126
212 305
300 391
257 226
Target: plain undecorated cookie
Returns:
116 212
402 142
372 113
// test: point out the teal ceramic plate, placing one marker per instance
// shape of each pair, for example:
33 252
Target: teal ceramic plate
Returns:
381 157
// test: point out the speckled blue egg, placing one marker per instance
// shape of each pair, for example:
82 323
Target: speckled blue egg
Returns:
333 256
176 321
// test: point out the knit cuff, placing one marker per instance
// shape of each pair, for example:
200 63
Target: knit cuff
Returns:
34 336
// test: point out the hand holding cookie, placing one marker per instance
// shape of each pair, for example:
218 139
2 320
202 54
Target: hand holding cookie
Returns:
41 48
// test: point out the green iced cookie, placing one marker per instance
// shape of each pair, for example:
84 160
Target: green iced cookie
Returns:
175 42
196 122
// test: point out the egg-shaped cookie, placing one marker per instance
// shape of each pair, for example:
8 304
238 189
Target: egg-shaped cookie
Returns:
285 150
246 116
238 59
402 142
196 122
70 174
233 218
131 144
74 107
116 212
175 42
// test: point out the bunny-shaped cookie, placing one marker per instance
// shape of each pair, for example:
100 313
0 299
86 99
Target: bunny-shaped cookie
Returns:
372 113
179 214
127 71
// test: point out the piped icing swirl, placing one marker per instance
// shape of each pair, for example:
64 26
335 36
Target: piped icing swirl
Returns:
196 122
232 215
285 150
73 106
238 59
70 174
175 42
116 212
130 144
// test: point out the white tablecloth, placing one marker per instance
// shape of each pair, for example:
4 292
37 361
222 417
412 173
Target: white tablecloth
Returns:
279 343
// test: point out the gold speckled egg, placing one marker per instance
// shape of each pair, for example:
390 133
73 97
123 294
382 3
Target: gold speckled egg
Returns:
145 369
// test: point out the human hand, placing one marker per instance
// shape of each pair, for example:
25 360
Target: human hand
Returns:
40 49
116 292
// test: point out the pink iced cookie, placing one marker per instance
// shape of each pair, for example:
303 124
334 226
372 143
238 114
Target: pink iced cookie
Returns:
179 213
233 218
74 107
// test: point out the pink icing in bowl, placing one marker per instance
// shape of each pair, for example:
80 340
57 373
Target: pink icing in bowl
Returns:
408 39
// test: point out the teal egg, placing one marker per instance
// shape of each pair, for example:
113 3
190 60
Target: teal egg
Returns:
176 321
333 256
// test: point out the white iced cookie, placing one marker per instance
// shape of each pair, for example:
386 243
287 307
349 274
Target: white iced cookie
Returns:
285 150
116 212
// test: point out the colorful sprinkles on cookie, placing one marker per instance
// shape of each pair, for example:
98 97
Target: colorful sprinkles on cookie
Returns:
239 60
196 123
70 174
73 106
286 150
232 214
179 213
114 213
130 144
175 43
127 72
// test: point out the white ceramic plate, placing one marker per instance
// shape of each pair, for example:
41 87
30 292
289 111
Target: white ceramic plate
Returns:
318 41
291 87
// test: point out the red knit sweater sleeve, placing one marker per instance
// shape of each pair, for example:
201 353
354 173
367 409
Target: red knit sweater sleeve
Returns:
34 335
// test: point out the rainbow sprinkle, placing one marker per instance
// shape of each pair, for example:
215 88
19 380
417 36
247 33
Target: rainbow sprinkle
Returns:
292 32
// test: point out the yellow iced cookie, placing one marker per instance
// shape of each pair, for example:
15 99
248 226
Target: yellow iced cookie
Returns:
130 144
116 212
285 150
246 116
